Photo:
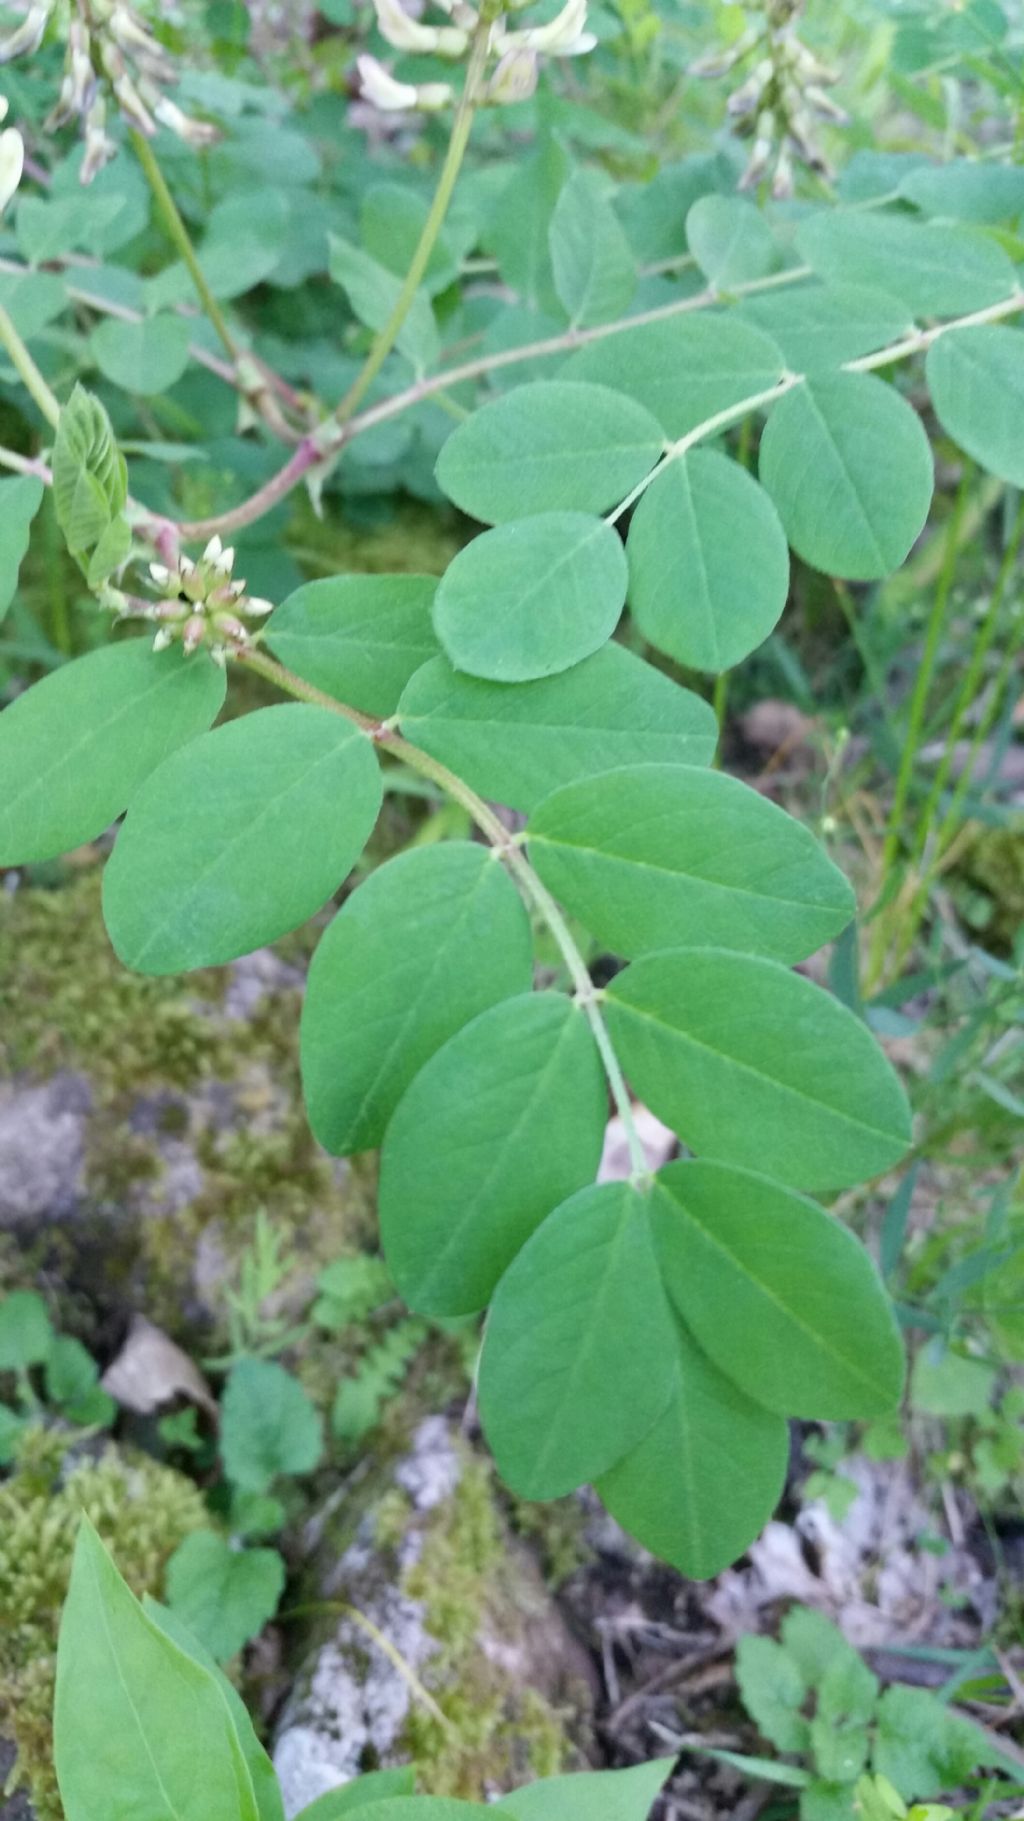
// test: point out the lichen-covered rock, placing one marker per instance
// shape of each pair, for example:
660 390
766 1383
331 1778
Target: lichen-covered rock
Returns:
438 1644
144 1121
141 1510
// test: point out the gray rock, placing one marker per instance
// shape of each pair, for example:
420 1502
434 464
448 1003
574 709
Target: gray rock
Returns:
513 1667
42 1148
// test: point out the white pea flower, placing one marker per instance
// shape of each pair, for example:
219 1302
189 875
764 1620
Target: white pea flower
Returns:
563 36
515 78
408 34
26 37
378 86
12 158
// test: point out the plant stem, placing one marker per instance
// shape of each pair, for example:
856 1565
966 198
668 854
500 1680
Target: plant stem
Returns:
26 369
25 464
462 126
179 235
915 724
506 847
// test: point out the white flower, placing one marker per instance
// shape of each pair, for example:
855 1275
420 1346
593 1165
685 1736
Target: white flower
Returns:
384 91
563 36
407 34
27 36
515 78
12 159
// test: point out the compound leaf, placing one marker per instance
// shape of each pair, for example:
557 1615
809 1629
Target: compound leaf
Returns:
21 496
976 379
516 742
730 240
706 1478
652 856
684 369
532 598
849 466
359 637
781 1296
579 1353
708 562
821 326
549 446
755 1065
935 270
239 838
502 1124
593 265
429 940
77 745
144 357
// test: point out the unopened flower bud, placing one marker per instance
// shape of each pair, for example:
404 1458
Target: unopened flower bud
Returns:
164 638
384 91
192 636
193 132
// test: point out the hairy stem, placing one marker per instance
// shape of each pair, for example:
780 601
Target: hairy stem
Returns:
179 235
506 845
462 126
26 369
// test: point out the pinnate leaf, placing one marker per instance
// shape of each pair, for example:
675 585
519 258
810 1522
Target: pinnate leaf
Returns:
934 269
818 327
707 1476
240 838
429 940
76 747
549 446
579 1355
651 856
21 496
358 637
976 379
708 562
684 369
532 598
90 480
730 240
516 742
781 1296
144 357
503 1124
593 265
756 1066
849 467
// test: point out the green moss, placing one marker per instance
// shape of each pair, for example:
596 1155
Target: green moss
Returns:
466 1580
67 1004
141 1510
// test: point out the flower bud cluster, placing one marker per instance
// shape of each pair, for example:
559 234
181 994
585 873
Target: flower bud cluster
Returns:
12 158
110 56
514 55
782 99
200 605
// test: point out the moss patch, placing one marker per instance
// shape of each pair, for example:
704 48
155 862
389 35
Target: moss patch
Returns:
141 1510
473 1593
